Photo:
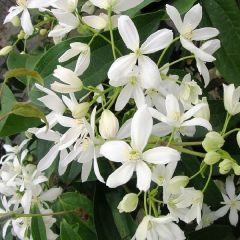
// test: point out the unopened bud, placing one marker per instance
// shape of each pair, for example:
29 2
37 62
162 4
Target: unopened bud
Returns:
213 141
80 110
225 166
16 21
108 125
176 183
236 169
43 32
21 35
6 50
238 139
129 203
212 158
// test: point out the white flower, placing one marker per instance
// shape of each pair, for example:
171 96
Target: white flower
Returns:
231 99
209 47
176 119
160 228
148 69
116 5
81 49
22 7
188 32
189 92
231 202
101 22
132 83
71 82
5 210
65 5
133 157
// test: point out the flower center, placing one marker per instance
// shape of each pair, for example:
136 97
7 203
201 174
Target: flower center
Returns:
22 3
134 155
133 80
233 204
188 33
138 52
86 143
151 91
175 116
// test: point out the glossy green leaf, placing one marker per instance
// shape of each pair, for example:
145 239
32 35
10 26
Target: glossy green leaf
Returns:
67 232
37 226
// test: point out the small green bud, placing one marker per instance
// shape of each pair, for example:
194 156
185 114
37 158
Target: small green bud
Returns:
225 166
129 203
80 110
16 21
21 35
6 50
43 32
212 158
236 169
213 141
176 183
45 18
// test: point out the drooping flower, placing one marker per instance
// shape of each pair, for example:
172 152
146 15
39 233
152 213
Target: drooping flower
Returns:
133 157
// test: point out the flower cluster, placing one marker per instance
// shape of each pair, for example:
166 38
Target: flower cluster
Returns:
89 125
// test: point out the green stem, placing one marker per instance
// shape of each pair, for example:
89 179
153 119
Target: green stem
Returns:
145 203
113 98
230 132
188 151
20 215
92 39
228 117
111 32
208 180
171 138
165 50
177 61
198 172
186 144
155 211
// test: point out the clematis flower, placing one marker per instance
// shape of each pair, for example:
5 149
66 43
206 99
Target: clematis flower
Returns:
158 228
176 118
22 7
116 5
188 32
232 99
209 47
147 68
133 157
70 79
81 49
231 202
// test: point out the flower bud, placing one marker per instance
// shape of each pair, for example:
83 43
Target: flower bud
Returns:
108 125
6 50
238 139
16 21
43 32
236 169
212 158
80 110
21 35
225 166
213 142
176 183
129 203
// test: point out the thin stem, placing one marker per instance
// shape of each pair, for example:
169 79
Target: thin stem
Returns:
190 152
92 39
165 50
171 138
111 32
177 61
145 203
20 215
208 180
155 211
230 132
186 144
228 117
198 172
113 98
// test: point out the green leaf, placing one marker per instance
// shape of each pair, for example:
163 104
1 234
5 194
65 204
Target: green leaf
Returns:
67 232
18 72
225 16
28 110
38 229
183 5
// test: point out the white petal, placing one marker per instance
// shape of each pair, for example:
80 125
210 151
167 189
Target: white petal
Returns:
51 195
230 188
66 121
71 53
121 176
172 104
161 129
233 216
203 34
175 17
48 159
116 151
96 22
96 169
221 211
142 230
198 122
26 23
139 97
86 170
203 70
53 103
5 228
128 33
100 3
69 138
193 17
125 130
144 176
63 88
26 201
13 12
161 155
211 46
122 65
157 115
192 111
157 41
123 5
124 97
83 63
141 129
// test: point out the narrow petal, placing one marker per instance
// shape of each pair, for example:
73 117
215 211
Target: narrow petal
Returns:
124 97
123 5
198 122
116 151
203 34
121 176
193 17
96 169
175 17
158 115
139 97
100 3
144 176
83 63
142 230
161 155
86 170
26 201
69 138
141 129
211 46
203 70
230 188
128 32
192 111
125 130
26 23
13 12
66 121
221 212
63 88
70 53
122 65
233 216
51 194
96 22
157 41
161 129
